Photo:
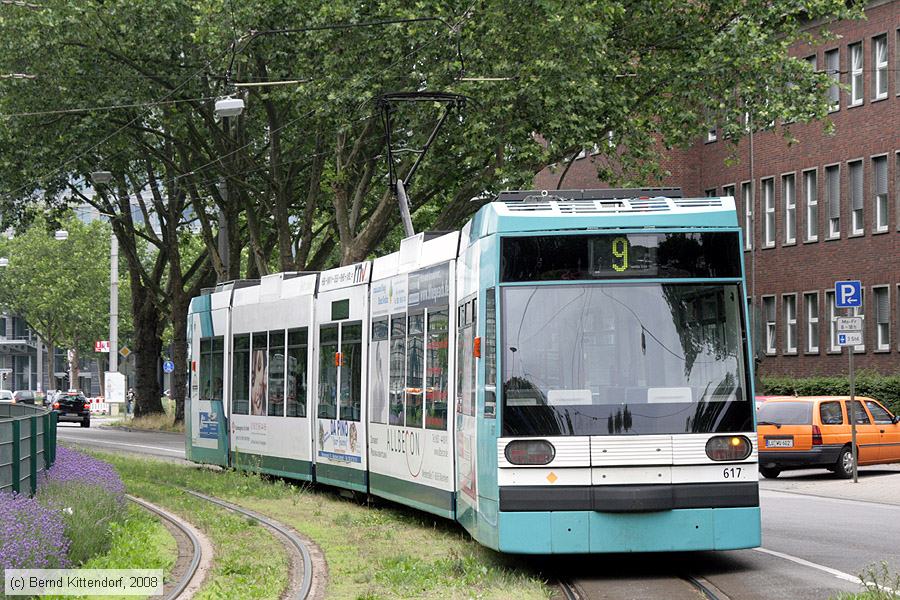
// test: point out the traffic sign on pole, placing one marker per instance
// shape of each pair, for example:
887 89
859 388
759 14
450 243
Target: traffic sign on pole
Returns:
847 294
849 325
168 366
850 338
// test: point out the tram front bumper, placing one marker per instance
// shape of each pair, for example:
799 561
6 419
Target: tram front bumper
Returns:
574 532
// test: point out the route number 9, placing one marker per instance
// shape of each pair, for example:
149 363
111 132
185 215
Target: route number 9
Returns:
620 251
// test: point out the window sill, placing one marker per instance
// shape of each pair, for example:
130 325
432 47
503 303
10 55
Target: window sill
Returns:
878 99
880 231
786 244
814 240
832 238
710 141
855 104
857 234
811 352
834 110
881 351
768 246
834 352
789 353
767 353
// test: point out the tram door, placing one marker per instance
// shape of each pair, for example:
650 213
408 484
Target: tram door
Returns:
340 381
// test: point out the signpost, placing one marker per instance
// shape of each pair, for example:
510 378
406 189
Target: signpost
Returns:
101 346
848 294
168 366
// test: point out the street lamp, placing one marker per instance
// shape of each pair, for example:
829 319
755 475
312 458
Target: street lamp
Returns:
103 178
229 107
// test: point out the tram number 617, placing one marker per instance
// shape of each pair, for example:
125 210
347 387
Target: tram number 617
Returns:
732 472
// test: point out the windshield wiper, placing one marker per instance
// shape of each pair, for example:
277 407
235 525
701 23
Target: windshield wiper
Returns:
777 425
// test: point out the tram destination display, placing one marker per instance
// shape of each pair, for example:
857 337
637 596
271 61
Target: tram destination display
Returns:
621 256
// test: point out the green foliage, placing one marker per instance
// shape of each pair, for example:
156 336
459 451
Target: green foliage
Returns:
61 287
884 388
879 584
89 513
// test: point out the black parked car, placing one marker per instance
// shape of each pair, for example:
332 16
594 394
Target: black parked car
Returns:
73 406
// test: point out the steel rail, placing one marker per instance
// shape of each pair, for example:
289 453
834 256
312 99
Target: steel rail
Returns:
195 543
295 541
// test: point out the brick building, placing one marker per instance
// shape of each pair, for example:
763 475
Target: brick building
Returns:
824 209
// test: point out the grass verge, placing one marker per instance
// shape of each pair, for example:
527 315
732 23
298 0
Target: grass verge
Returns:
139 541
160 422
879 584
373 553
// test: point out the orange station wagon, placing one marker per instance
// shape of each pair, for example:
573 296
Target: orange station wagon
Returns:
811 432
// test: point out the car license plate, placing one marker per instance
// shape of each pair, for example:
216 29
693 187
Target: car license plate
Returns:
779 443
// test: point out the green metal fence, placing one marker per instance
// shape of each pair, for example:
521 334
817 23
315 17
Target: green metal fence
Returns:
27 445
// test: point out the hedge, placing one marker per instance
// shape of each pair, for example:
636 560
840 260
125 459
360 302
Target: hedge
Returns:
884 388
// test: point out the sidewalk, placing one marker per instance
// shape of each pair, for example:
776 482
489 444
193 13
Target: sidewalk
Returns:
879 483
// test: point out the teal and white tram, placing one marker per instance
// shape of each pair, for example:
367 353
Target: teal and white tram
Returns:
570 373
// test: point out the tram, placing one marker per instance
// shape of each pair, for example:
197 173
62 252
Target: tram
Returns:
569 373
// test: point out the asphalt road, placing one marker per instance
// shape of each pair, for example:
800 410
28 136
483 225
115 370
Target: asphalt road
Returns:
818 534
164 445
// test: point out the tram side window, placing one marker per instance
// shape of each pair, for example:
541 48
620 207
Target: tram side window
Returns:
415 357
240 375
398 364
490 355
258 373
276 373
297 383
466 366
328 347
212 355
205 368
437 359
351 371
379 367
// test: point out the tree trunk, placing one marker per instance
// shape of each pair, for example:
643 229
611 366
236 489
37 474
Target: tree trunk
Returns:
179 353
147 350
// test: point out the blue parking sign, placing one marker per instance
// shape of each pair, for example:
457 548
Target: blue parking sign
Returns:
168 366
847 294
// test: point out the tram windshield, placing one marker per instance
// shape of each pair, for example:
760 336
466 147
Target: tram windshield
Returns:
623 359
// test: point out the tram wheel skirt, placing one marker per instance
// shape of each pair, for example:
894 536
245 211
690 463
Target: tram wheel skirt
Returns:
578 532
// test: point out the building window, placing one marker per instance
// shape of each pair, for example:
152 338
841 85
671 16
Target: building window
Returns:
789 192
710 193
747 198
880 186
769 312
811 303
856 74
857 223
882 318
768 192
880 60
811 61
728 190
712 134
832 325
833 199
833 68
811 195
789 306
860 312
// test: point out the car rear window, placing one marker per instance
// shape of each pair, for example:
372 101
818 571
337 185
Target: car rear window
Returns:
786 413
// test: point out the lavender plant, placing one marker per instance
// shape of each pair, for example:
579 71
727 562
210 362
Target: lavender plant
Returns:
89 496
32 535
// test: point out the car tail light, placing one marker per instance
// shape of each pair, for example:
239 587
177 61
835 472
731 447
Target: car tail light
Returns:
530 452
56 405
816 436
87 406
730 447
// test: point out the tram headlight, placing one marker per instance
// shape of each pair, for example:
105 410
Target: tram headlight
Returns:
728 447
529 452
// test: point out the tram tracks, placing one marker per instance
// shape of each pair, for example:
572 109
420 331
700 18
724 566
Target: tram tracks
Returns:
190 574
672 586
291 539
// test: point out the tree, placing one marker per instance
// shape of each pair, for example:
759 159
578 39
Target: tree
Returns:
60 286
304 165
